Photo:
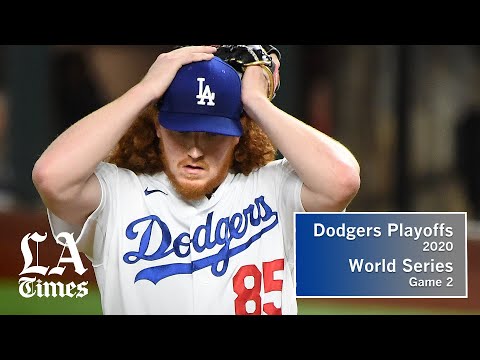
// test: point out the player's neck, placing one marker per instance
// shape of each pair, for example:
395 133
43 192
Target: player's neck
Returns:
209 195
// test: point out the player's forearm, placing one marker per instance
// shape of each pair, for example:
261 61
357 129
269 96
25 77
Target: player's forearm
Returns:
326 167
71 159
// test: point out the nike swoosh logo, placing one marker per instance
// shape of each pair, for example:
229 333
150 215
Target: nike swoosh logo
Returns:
148 192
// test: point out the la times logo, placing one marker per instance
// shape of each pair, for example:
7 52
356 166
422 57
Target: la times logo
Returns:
31 286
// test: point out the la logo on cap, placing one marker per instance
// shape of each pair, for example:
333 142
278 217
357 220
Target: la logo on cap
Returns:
205 93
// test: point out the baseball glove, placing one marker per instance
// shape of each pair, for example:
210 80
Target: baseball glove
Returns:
242 56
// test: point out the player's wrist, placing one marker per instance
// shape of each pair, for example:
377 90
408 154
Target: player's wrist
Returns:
253 102
143 93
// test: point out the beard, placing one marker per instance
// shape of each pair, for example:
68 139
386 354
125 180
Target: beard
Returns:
191 191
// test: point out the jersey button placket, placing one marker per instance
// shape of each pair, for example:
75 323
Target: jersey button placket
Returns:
197 250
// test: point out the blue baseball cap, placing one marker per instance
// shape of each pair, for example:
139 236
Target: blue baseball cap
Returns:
203 96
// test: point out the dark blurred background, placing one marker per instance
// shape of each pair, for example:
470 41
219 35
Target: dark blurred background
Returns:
409 113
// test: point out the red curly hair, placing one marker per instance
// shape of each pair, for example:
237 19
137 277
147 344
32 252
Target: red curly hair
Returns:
139 150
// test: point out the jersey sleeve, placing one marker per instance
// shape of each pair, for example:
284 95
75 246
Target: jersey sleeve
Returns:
290 183
290 201
288 187
90 237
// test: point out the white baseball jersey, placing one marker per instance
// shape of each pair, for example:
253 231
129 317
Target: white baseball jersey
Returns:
154 253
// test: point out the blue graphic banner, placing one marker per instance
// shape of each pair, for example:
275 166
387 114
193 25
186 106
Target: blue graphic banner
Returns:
381 254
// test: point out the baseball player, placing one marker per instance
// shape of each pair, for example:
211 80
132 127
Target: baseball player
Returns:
173 192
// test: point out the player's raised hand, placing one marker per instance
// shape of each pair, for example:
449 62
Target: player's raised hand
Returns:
255 84
163 70
258 81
